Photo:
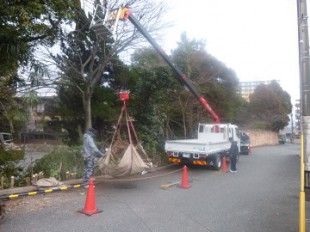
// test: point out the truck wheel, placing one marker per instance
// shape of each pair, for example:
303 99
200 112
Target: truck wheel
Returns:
217 162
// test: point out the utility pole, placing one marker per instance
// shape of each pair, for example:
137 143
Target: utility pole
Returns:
303 42
304 68
292 128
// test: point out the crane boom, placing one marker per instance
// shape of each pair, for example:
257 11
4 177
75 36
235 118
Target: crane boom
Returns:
126 14
181 76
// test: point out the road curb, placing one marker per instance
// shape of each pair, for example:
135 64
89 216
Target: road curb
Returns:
98 179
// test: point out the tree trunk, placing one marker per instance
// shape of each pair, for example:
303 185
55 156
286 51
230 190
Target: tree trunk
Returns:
183 116
87 109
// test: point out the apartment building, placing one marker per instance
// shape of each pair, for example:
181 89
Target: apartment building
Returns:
248 87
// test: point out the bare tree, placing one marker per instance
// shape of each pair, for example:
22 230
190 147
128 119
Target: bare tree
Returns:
87 58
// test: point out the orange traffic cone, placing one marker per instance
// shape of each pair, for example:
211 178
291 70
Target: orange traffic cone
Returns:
184 183
90 204
224 165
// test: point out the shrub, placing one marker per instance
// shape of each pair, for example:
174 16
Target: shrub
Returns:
10 155
9 163
57 163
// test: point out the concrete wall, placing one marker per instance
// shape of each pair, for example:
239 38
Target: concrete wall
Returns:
262 137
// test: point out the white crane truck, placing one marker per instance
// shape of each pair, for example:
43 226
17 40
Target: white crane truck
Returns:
211 145
212 142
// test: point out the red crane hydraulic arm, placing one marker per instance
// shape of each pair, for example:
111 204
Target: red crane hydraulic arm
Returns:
127 14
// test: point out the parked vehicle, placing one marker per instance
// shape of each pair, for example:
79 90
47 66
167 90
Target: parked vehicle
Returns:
282 139
6 141
245 143
211 145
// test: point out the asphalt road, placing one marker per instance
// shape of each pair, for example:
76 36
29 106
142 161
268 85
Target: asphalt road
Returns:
263 196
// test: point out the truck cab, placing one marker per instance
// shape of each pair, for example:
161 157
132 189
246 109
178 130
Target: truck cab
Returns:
218 132
245 143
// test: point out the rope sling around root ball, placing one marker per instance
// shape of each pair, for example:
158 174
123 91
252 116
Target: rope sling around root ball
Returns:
124 158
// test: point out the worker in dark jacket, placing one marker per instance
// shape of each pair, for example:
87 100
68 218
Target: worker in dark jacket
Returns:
89 153
233 153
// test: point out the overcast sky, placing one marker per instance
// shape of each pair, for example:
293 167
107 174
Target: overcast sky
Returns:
255 38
